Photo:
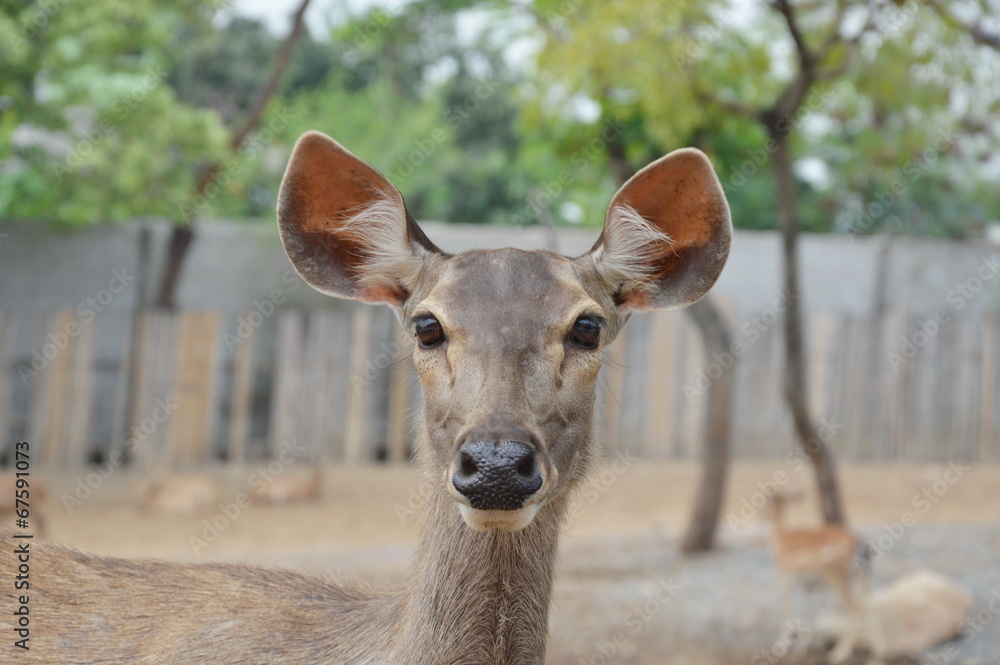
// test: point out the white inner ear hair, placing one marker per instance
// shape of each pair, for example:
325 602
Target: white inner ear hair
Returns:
389 259
631 245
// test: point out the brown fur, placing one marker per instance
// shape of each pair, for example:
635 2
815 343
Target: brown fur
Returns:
826 552
830 555
917 612
480 582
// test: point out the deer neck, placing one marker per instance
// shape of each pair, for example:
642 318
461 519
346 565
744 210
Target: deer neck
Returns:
479 598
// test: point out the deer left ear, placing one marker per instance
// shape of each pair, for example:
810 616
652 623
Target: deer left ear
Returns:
666 236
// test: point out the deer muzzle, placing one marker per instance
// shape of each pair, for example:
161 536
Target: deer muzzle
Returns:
497 476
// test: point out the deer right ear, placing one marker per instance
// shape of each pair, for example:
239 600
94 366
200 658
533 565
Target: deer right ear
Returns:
346 228
666 236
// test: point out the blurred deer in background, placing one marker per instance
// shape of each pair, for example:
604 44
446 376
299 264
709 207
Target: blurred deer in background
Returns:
508 345
174 493
831 554
178 494
291 488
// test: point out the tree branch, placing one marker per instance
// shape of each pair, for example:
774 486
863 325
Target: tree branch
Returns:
529 9
281 62
183 232
793 96
979 34
807 60
728 104
834 37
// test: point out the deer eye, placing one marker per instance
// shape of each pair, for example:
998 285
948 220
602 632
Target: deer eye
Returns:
428 332
586 332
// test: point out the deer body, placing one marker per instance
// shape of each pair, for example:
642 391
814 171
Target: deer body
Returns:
508 345
179 494
291 489
830 554
474 597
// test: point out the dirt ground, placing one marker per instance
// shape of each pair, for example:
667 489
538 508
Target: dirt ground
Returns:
618 556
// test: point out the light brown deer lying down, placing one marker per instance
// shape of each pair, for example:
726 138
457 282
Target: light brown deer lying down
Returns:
290 487
179 494
917 612
508 345
830 554
37 491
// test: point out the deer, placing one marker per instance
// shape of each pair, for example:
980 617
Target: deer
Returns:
507 344
831 554
158 490
290 488
177 494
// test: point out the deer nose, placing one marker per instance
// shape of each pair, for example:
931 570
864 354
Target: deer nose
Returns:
497 476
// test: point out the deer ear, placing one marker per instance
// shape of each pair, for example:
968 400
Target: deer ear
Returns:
666 236
346 228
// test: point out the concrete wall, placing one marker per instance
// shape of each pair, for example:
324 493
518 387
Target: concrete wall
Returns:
234 263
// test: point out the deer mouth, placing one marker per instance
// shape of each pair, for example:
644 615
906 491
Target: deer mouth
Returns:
505 520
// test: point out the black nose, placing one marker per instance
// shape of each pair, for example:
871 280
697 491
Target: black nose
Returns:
497 476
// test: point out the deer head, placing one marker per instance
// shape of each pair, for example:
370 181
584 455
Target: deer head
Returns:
507 343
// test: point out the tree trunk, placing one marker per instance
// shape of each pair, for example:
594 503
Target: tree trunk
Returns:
795 367
545 219
700 534
181 237
620 166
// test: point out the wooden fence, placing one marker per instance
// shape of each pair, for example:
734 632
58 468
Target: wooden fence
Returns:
192 386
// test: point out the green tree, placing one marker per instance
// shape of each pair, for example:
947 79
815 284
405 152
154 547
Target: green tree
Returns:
743 82
90 130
